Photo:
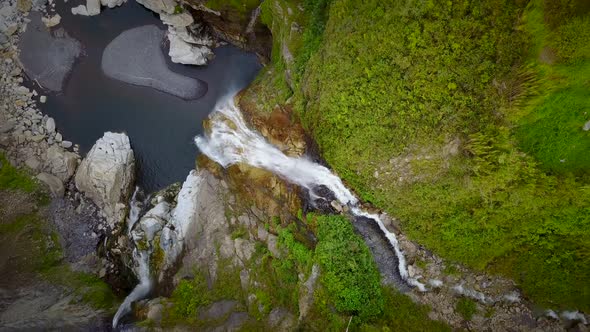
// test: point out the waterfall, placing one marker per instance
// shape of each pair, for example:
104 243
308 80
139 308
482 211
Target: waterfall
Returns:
141 258
141 290
230 141
253 18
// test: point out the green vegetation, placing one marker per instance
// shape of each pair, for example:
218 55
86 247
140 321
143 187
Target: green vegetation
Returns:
243 7
348 292
349 273
381 81
37 248
466 308
12 178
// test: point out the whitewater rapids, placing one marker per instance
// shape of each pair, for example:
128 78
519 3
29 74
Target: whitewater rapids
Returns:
230 141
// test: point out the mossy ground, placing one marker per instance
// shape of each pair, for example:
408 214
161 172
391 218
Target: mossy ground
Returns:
507 79
347 294
34 243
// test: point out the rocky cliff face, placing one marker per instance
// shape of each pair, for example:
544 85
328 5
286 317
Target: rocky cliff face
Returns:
106 175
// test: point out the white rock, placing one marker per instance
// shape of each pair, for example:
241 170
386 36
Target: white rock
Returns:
50 126
58 138
43 99
66 144
181 20
93 7
586 126
106 175
185 53
112 3
52 21
80 10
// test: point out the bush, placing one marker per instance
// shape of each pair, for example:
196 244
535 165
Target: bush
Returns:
349 273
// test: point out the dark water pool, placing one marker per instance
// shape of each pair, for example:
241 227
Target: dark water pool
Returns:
161 126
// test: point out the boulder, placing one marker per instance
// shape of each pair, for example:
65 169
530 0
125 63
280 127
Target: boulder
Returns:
51 22
80 10
93 7
188 54
112 3
50 126
183 19
106 175
33 163
60 163
53 182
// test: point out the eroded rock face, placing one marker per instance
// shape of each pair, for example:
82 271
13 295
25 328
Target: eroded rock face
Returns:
188 54
106 175
135 57
47 56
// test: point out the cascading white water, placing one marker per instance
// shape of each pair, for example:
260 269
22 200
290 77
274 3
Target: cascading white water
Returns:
141 290
142 260
230 141
134 210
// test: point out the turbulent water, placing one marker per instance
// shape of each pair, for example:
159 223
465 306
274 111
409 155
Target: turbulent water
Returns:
141 258
230 141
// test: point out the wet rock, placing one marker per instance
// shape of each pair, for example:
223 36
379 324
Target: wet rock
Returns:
53 182
47 58
106 175
135 57
306 297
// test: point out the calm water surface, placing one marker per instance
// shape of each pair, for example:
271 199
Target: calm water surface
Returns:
161 126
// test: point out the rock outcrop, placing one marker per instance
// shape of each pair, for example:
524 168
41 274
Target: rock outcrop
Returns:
189 43
106 175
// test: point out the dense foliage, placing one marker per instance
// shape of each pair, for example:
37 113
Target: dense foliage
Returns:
395 80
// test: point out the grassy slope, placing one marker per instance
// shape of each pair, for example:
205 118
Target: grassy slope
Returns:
43 256
349 285
391 79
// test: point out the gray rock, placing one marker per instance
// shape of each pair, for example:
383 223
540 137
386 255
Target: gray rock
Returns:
50 126
43 99
66 144
47 57
586 126
58 138
60 163
218 310
106 175
53 182
8 126
33 163
135 57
